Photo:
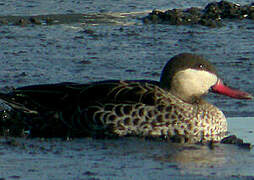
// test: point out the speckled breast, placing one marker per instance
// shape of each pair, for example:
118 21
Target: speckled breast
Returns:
168 117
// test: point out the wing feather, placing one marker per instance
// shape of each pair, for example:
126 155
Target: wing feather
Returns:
62 96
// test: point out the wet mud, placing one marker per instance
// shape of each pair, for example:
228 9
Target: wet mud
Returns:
55 19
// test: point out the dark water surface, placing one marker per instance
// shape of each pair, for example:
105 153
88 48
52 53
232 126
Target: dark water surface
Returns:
32 7
122 159
122 48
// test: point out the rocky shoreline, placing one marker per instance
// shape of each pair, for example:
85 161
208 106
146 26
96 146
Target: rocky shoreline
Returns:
212 15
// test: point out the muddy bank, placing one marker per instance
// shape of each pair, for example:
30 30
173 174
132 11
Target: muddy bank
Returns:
212 15
54 19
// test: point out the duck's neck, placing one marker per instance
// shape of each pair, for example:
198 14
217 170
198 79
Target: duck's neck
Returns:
188 86
191 99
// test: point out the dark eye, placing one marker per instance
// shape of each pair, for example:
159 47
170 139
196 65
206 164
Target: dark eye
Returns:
201 66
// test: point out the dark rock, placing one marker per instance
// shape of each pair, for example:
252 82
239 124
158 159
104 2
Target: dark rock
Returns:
248 11
211 15
234 140
222 10
251 16
34 20
210 23
3 22
22 22
49 21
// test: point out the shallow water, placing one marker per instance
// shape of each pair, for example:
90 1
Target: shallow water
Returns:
127 158
32 7
127 49
123 49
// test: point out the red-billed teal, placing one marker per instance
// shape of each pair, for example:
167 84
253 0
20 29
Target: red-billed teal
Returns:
169 108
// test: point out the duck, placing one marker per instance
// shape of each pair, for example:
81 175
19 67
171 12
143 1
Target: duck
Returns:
169 108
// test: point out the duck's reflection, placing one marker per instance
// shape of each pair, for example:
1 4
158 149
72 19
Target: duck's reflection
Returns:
193 155
186 158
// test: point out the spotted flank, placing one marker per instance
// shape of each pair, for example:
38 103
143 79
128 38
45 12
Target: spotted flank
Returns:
171 107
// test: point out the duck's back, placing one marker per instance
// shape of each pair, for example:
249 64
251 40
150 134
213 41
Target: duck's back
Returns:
61 96
68 101
113 108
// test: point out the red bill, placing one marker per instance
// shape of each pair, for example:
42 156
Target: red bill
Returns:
221 88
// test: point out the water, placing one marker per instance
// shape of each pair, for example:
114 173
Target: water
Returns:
123 48
127 158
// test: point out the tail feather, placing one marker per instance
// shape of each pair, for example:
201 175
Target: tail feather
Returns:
9 100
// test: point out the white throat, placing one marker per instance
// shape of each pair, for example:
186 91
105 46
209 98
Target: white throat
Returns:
190 83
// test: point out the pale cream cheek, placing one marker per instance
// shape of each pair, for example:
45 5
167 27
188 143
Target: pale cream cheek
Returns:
195 82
